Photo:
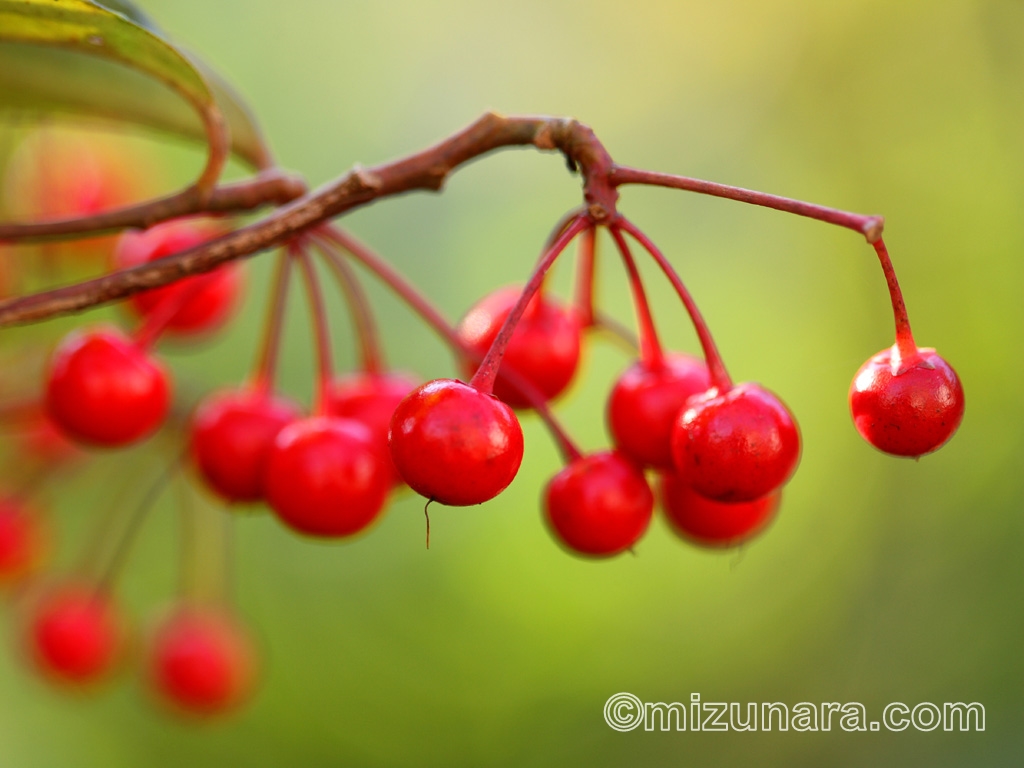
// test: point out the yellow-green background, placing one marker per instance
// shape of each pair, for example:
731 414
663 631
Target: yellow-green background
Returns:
882 579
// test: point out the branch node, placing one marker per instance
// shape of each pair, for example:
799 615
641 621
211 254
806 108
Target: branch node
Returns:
362 180
873 229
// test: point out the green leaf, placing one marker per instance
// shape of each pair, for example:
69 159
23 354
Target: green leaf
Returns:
43 70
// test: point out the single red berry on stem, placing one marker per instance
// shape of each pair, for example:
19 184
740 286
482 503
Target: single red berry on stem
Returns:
74 633
599 505
735 445
201 661
544 349
454 444
104 390
371 399
208 306
231 436
326 477
709 523
907 406
646 401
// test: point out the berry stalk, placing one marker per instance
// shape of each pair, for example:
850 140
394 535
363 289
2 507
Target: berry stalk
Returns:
716 368
432 317
266 366
869 226
904 337
483 379
321 332
650 347
362 315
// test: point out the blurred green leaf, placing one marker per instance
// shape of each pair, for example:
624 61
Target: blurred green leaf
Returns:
43 70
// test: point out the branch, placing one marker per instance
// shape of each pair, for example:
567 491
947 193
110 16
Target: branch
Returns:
270 187
869 226
426 170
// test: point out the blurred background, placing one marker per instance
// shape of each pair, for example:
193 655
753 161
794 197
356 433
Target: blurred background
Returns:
881 580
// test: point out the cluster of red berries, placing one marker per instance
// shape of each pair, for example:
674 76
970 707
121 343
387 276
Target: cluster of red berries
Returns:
721 451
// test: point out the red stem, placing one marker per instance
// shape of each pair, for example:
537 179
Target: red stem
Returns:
585 278
266 365
156 322
905 345
650 347
869 226
419 304
359 304
716 368
325 366
483 379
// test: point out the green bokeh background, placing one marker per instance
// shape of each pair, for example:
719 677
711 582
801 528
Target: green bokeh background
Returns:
882 579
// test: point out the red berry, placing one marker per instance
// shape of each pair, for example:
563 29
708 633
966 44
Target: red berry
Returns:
737 445
201 661
455 444
371 400
74 634
22 539
44 442
907 407
709 523
544 350
326 477
599 505
208 306
232 434
103 390
645 402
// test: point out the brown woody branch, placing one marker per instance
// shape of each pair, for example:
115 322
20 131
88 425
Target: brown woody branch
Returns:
271 187
426 170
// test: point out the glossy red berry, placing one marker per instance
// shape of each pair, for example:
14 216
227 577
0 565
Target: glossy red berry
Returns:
544 350
231 436
455 444
22 539
645 402
326 477
207 307
709 523
599 505
371 400
201 661
102 389
74 634
737 445
907 407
